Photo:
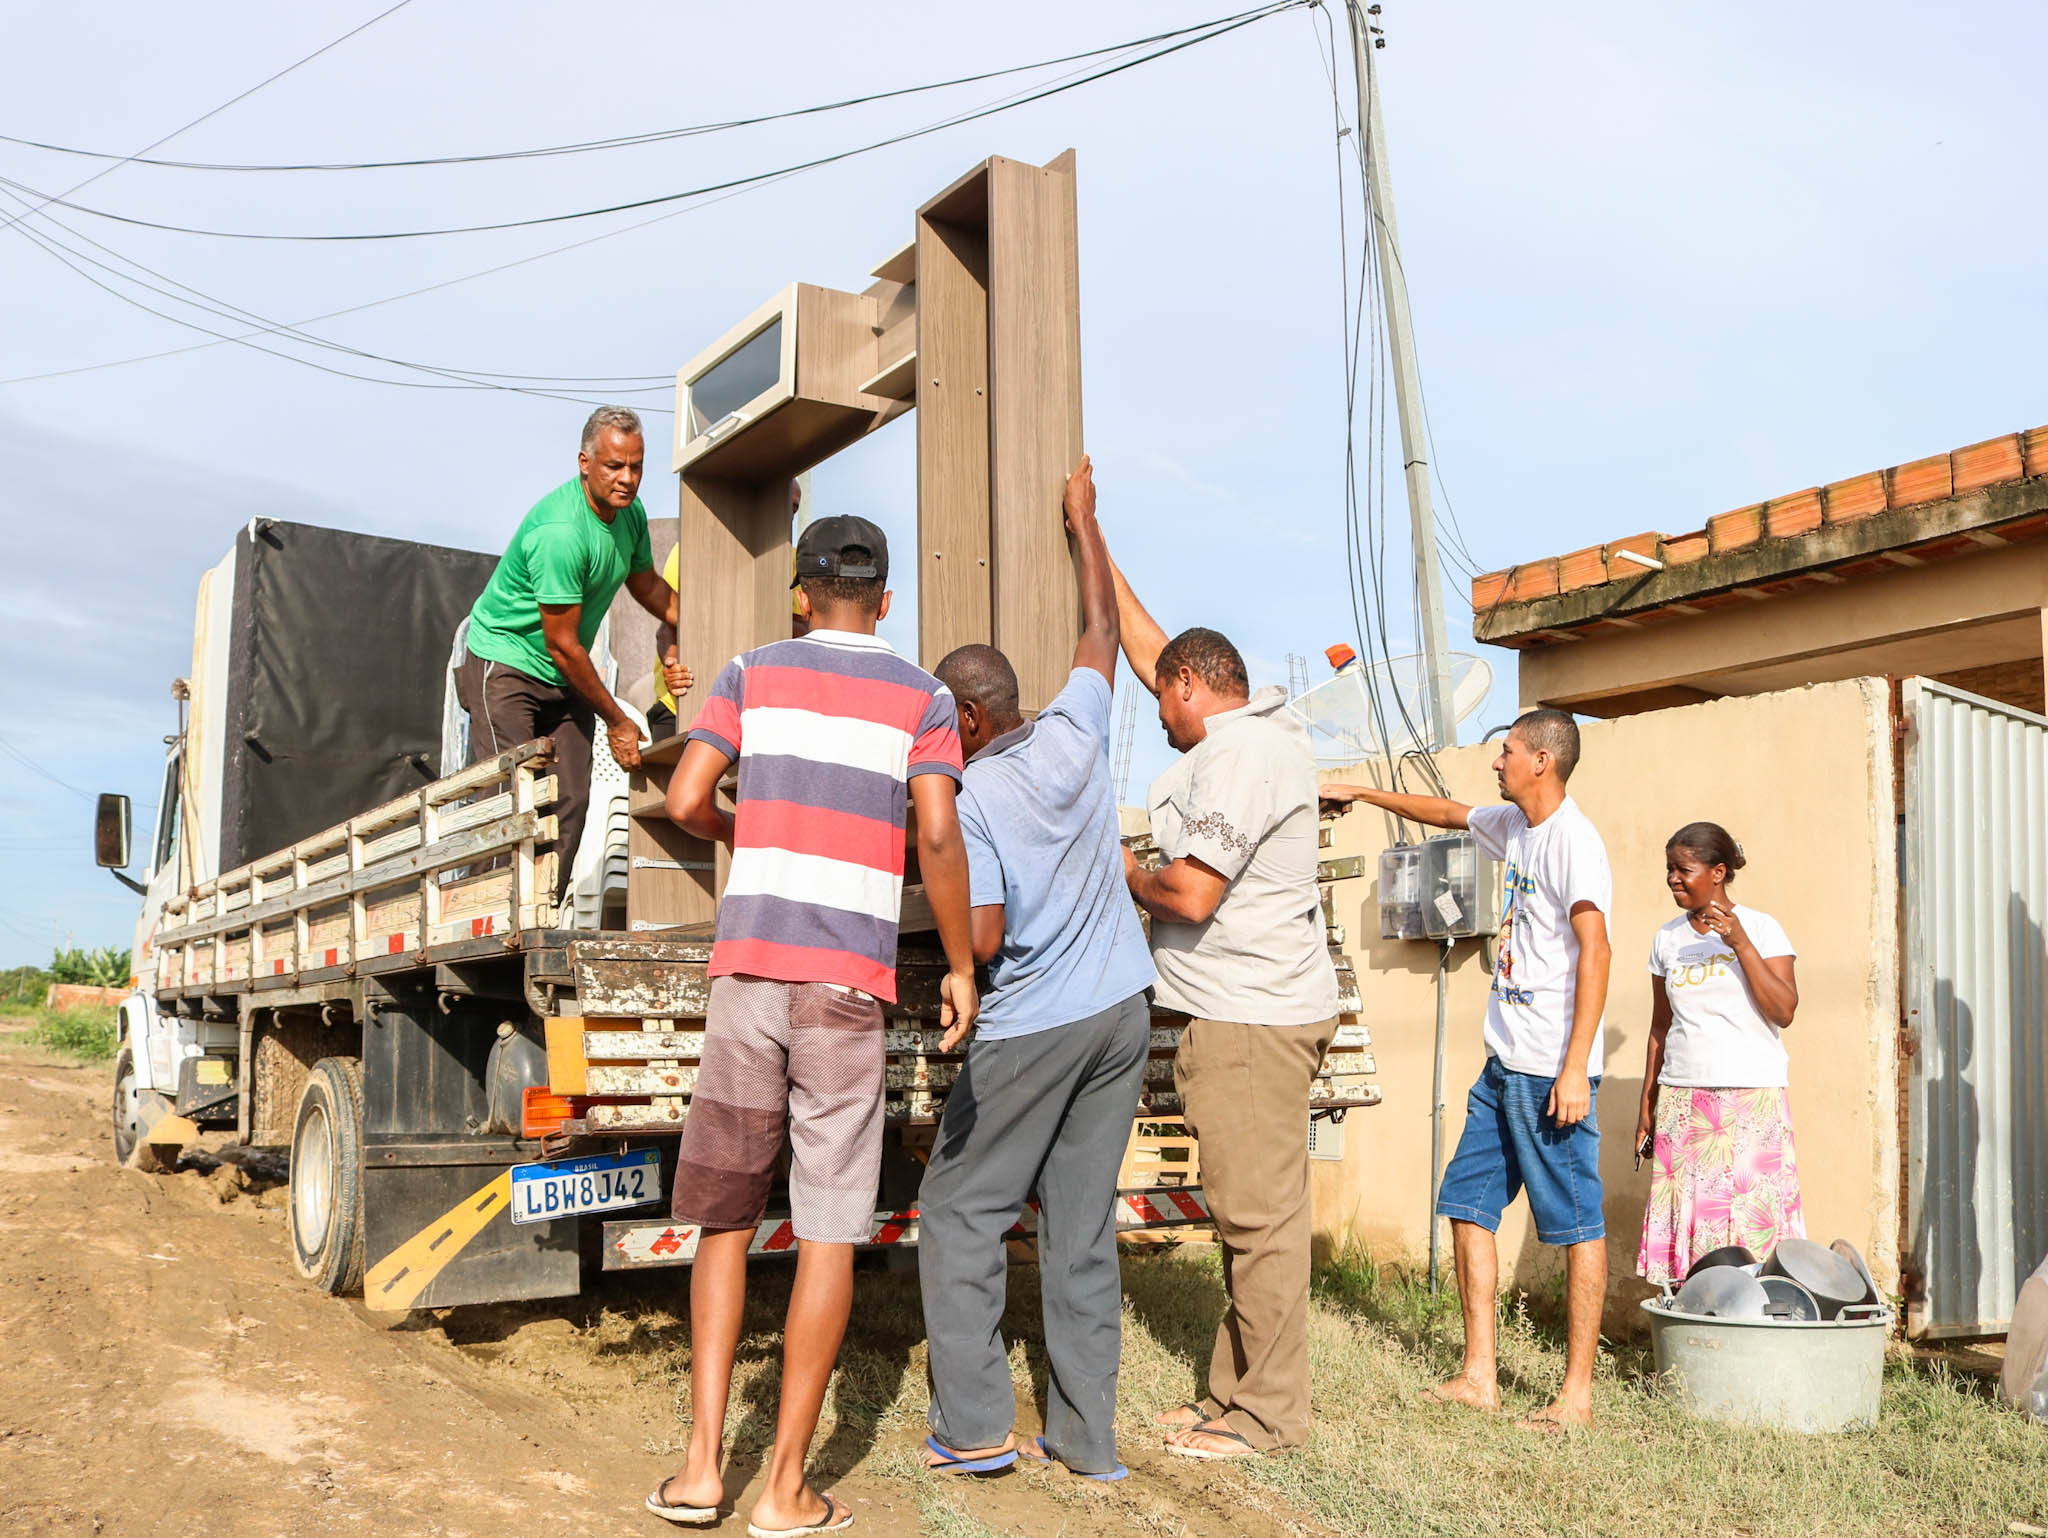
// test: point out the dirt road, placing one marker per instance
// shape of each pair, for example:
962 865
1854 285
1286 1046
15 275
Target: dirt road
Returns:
164 1372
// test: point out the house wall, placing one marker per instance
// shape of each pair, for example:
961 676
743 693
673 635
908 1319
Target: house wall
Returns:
1804 779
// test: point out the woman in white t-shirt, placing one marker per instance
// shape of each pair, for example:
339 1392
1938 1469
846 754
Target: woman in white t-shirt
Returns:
1715 1120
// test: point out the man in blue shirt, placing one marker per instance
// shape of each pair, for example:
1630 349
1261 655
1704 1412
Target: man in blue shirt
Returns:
1051 1082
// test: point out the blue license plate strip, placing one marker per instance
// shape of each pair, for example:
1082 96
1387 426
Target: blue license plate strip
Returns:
568 1187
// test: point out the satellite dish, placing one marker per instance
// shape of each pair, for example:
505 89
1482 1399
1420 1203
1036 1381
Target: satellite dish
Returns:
1344 714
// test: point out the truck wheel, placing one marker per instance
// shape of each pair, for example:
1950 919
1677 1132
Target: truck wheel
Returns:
327 1177
129 1113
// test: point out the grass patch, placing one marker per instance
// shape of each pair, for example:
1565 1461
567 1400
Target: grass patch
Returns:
939 1512
86 1033
1943 1460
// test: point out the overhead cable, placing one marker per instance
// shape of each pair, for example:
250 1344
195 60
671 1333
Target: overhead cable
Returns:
447 379
619 141
211 112
295 330
1210 33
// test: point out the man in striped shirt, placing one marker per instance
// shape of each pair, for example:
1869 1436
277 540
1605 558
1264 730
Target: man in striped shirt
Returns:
826 730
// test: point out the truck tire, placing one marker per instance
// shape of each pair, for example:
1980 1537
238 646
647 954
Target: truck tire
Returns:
326 1204
129 1113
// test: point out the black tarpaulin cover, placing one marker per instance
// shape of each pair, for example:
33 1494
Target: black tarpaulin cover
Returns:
336 668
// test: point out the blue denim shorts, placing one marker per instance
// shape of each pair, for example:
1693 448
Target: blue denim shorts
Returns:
1509 1145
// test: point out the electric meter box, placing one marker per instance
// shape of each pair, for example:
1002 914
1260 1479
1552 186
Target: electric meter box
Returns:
1457 888
1401 893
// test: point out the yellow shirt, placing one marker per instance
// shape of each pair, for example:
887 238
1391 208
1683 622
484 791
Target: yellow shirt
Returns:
671 572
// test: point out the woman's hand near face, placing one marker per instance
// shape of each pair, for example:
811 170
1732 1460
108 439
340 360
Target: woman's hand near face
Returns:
1720 919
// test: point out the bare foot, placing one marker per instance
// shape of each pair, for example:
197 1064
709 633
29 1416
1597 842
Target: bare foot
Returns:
933 1460
1213 1439
1467 1389
1180 1417
1558 1416
828 1512
681 1490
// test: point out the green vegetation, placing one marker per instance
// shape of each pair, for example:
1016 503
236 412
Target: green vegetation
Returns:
103 968
23 986
23 989
87 1032
1943 1460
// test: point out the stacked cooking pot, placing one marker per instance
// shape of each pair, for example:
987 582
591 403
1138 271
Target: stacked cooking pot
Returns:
1795 1341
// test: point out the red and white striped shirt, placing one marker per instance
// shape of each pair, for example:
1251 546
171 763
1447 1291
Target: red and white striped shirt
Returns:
827 729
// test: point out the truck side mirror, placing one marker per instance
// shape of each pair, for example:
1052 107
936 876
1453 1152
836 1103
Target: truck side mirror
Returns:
110 820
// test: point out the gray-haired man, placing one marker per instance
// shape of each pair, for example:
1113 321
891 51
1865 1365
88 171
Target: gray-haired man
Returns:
528 673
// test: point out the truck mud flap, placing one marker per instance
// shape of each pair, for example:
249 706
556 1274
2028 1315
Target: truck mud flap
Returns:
438 1234
636 1244
437 1182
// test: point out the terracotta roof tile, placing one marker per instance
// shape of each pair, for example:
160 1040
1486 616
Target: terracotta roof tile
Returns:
1975 468
1582 568
1922 480
2034 450
1684 549
1857 497
1731 531
1796 514
1533 579
1987 463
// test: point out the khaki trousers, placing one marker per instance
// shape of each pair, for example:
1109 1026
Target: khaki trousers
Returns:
1244 1092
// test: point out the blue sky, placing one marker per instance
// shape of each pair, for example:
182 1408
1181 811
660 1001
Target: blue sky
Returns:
1665 260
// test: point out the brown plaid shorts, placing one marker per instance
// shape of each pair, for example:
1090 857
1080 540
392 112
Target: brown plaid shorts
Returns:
803 1055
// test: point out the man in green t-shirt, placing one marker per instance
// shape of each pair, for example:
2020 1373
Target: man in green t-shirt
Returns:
528 673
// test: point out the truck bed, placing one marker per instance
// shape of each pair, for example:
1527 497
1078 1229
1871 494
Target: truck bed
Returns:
417 935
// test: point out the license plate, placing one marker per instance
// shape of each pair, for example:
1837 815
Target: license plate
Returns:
542 1192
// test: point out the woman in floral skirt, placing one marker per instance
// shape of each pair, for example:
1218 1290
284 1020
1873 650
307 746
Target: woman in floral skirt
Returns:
1715 1119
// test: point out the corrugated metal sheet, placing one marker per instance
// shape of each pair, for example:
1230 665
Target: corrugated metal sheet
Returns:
1976 995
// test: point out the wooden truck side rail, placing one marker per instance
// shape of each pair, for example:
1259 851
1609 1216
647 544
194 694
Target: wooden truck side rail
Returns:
419 877
626 1063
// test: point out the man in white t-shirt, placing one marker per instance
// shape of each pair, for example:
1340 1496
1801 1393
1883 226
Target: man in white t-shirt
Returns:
1529 1121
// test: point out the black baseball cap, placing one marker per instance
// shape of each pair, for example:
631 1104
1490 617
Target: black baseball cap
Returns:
841 546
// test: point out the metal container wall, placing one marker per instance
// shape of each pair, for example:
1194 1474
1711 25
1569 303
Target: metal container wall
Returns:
1975 850
1817 1376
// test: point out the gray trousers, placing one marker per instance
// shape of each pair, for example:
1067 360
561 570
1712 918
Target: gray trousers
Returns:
1051 1112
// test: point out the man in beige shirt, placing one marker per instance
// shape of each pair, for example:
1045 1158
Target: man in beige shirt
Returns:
1238 943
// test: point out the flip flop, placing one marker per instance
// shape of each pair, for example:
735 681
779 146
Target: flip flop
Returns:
1182 1450
952 1463
832 1510
690 1516
1045 1459
1192 1407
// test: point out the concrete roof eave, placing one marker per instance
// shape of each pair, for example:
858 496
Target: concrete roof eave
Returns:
1766 560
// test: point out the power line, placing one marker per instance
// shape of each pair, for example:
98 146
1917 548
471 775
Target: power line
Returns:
468 277
210 113
35 768
619 141
295 331
450 379
1213 31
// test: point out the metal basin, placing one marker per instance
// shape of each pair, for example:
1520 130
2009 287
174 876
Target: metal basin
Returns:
1854 1256
1834 1281
1727 1255
1823 1376
1788 1300
1722 1292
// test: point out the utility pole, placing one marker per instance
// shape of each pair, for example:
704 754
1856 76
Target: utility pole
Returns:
1429 593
